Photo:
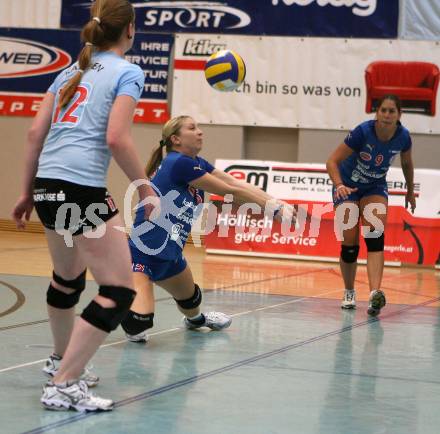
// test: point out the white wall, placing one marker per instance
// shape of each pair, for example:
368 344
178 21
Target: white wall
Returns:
30 13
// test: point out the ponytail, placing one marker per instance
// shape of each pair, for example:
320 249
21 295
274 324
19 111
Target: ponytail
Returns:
170 128
69 89
154 162
108 19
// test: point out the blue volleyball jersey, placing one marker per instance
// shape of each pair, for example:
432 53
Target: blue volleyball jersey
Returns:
371 158
166 236
75 149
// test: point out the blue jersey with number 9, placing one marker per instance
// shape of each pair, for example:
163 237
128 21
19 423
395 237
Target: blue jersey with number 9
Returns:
371 158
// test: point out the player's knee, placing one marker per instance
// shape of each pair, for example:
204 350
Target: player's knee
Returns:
192 302
105 318
61 300
135 323
375 244
349 254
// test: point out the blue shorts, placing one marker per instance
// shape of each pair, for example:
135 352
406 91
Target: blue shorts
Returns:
155 268
356 196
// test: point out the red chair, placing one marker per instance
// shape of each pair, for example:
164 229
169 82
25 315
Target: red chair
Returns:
415 83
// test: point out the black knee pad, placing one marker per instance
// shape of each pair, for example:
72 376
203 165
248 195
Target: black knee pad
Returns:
192 302
108 318
60 299
135 323
349 254
79 283
375 244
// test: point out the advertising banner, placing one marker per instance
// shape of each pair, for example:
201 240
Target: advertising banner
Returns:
317 83
409 238
30 61
420 20
343 18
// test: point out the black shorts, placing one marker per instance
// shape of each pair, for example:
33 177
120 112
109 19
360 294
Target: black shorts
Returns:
73 207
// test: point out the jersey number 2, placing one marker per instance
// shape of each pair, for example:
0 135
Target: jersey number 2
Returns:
77 100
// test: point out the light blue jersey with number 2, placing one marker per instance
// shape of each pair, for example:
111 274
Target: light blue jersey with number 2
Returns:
75 149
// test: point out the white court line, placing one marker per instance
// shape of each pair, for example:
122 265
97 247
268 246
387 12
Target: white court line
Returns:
23 365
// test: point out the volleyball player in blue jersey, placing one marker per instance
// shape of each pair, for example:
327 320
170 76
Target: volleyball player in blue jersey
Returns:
358 169
84 119
181 178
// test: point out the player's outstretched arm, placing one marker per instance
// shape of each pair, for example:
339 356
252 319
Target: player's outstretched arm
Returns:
229 179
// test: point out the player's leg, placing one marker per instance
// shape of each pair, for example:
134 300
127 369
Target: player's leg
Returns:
108 259
140 317
349 249
188 297
374 214
68 281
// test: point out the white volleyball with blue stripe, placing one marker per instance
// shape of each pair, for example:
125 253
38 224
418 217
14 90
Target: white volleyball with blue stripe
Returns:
225 70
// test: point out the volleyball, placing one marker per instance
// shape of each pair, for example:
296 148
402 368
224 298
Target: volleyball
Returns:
225 70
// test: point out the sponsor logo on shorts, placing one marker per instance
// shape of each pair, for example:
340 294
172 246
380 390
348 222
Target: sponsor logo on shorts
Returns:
111 203
139 267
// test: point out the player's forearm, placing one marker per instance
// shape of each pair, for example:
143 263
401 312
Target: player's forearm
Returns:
333 172
32 154
256 190
408 173
243 194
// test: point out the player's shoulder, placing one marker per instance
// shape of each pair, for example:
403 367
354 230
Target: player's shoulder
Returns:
403 131
129 67
184 160
117 63
181 162
367 126
359 132
203 163
68 73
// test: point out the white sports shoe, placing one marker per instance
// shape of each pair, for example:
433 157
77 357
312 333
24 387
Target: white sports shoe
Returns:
140 338
53 363
377 301
213 320
75 396
349 300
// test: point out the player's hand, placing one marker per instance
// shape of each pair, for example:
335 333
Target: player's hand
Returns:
284 212
151 204
342 191
23 207
410 200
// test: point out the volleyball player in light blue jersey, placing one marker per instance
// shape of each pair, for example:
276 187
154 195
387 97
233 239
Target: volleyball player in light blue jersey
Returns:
66 154
181 177
86 116
358 169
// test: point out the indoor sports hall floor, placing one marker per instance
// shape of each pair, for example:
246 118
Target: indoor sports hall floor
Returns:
291 362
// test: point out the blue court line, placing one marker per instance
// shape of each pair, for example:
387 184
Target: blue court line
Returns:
355 374
230 367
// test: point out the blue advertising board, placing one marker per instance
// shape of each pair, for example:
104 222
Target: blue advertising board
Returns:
30 59
335 18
